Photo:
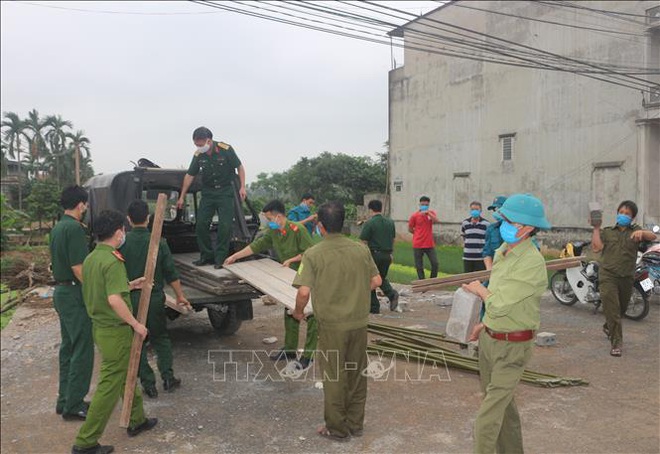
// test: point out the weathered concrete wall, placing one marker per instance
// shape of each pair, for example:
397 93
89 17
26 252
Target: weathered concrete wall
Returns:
576 139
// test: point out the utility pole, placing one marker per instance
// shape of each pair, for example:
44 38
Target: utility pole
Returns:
77 158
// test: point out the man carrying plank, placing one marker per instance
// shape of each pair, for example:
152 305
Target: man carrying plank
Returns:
135 251
106 294
513 301
290 240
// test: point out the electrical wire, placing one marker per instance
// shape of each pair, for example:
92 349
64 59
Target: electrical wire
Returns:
99 11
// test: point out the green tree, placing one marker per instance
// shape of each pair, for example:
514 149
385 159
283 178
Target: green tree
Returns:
13 129
39 151
57 139
78 143
43 201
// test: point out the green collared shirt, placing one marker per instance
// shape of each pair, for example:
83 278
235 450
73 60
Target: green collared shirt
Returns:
218 166
135 251
288 242
68 247
517 282
338 270
104 274
379 232
619 250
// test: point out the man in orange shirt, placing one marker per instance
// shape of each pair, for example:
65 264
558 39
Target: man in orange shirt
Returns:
420 225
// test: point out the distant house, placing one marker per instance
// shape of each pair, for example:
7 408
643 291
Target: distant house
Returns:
468 129
10 178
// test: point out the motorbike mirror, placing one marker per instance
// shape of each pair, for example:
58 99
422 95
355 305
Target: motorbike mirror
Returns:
656 229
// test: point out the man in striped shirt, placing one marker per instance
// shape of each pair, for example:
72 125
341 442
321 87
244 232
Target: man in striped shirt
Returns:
473 233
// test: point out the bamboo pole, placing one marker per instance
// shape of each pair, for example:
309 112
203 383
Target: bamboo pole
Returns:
143 308
424 285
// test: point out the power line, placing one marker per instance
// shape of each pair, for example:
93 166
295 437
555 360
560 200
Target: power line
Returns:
586 11
561 24
99 11
607 11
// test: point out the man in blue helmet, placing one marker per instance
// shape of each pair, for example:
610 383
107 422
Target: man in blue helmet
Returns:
513 301
493 238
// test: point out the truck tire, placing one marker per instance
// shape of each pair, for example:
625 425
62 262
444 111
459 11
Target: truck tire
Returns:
225 322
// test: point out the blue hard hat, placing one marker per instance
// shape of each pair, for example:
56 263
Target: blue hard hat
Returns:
524 209
497 202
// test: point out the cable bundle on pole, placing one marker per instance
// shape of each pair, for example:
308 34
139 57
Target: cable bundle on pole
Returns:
424 346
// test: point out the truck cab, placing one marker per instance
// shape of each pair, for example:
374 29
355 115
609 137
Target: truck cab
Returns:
227 300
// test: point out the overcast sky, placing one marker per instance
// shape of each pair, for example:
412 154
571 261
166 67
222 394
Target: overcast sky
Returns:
139 84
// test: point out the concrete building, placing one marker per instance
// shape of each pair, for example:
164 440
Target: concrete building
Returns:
463 130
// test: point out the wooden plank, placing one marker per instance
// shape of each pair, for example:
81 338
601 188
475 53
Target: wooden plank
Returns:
271 278
143 308
171 303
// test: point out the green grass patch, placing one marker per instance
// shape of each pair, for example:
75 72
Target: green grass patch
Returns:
4 297
450 258
402 274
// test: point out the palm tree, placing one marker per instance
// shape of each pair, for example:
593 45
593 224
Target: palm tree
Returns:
56 137
14 129
38 148
78 142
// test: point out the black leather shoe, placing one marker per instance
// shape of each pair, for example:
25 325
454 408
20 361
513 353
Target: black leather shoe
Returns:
217 266
77 416
151 391
149 424
98 449
201 262
59 410
169 384
283 354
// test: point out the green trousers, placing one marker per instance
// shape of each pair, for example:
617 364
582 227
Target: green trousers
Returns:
291 331
76 348
158 339
615 295
115 346
501 364
383 261
214 201
342 357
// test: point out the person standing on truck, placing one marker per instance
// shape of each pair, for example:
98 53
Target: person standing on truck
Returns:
506 341
290 240
68 249
106 292
378 234
135 251
218 164
339 274
619 244
303 212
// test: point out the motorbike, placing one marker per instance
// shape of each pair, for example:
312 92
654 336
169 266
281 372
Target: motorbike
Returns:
580 283
648 265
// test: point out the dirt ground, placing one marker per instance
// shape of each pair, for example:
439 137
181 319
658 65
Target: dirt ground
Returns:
619 412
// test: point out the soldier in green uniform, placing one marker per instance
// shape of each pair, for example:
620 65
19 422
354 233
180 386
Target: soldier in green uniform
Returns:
290 240
218 164
135 251
619 244
378 233
339 274
513 303
106 293
68 249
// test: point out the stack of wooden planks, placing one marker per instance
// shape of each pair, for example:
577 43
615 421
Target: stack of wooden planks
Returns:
424 285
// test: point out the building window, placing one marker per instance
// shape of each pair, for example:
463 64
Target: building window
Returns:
506 141
398 186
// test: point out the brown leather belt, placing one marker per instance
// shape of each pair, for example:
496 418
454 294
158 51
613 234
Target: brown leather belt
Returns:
515 336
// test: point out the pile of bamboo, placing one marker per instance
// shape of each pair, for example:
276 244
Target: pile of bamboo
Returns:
457 280
425 346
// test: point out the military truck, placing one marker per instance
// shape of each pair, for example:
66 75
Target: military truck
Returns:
227 300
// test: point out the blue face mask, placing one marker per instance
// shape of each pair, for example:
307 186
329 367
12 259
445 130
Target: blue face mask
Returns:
475 213
623 220
273 225
423 208
508 232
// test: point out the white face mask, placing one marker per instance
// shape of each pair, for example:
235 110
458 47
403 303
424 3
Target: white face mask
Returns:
204 148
